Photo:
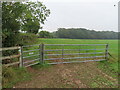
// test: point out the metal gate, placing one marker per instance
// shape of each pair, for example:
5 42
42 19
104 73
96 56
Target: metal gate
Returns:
30 55
62 53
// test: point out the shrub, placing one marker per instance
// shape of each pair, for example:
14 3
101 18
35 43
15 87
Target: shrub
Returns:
45 34
22 39
27 38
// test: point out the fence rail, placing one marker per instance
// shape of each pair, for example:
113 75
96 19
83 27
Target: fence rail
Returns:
30 50
74 58
75 44
77 61
11 56
73 54
72 49
9 48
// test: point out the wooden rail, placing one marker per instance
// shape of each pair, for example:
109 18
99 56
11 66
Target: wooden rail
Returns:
9 48
11 64
10 57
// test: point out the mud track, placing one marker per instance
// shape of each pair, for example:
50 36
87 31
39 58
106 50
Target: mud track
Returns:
79 75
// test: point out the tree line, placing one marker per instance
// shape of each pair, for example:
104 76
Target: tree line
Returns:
82 33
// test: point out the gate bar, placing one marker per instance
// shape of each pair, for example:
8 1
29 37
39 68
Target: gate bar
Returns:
21 56
77 61
75 44
106 52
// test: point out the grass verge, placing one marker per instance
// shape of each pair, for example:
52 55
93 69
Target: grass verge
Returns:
10 76
41 66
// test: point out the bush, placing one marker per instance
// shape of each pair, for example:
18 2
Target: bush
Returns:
10 39
27 39
45 34
22 39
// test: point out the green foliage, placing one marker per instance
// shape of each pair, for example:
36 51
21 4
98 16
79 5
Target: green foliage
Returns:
35 15
110 67
41 66
19 16
31 27
45 34
94 85
10 23
27 39
10 76
21 39
81 33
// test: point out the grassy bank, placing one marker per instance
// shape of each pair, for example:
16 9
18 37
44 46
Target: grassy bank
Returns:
11 76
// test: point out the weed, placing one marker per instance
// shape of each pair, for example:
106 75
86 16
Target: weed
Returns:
39 66
94 85
13 75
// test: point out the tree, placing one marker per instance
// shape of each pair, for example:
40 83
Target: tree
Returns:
31 26
10 23
16 16
34 17
45 34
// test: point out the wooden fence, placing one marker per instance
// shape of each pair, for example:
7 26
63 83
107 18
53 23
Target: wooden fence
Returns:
12 56
58 53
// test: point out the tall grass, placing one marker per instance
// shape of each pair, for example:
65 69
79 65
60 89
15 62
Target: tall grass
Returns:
10 76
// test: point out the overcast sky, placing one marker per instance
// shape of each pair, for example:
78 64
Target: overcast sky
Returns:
100 15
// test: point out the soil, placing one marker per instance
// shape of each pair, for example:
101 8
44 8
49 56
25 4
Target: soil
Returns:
74 75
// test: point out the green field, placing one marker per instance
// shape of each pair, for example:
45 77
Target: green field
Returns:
113 44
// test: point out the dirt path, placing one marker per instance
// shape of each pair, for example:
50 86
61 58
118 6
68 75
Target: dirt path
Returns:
81 75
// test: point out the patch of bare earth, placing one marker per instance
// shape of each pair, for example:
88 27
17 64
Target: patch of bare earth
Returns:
79 75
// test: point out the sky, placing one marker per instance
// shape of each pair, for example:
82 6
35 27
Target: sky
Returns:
99 15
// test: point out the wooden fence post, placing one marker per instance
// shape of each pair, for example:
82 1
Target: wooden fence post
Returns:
20 59
106 52
42 53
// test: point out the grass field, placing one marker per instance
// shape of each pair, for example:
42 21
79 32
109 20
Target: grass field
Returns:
113 44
